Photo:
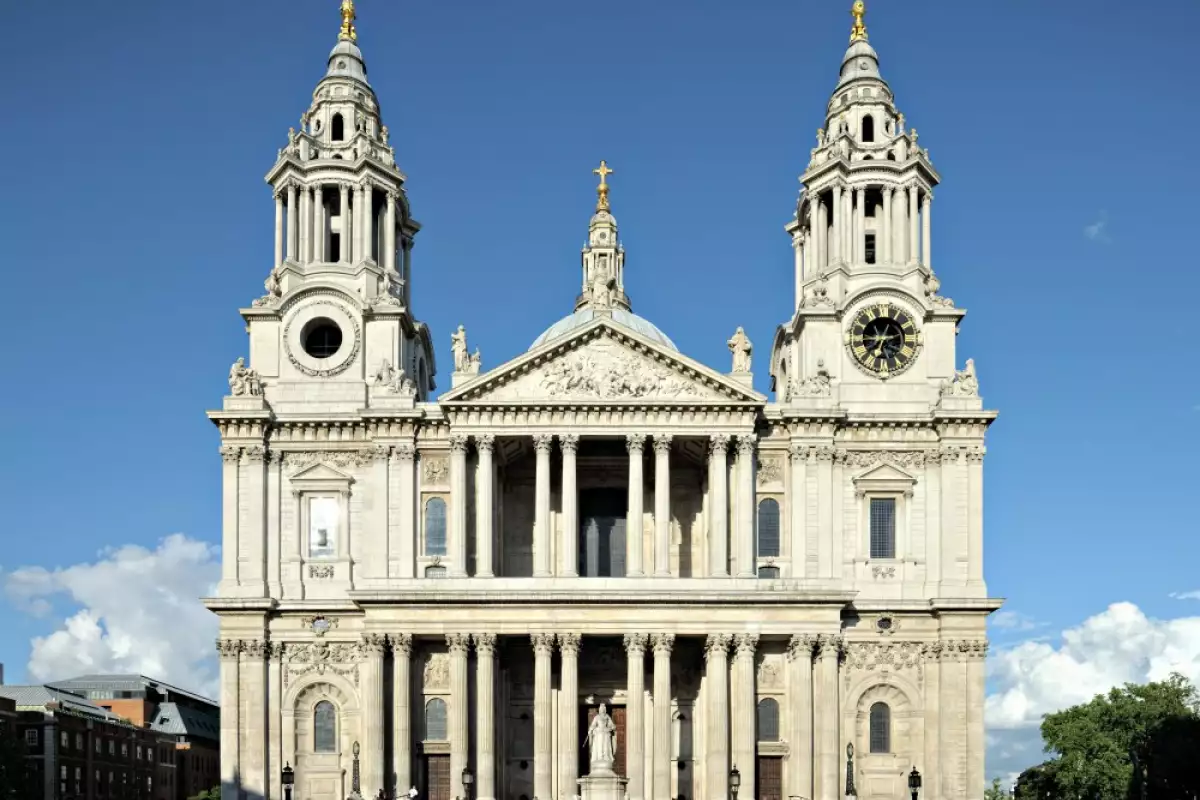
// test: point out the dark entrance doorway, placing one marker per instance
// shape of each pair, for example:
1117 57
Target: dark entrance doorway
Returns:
602 533
770 778
585 721
437 777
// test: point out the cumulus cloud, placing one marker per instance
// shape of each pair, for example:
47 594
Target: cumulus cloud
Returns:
133 610
1013 621
1098 231
1193 595
1033 678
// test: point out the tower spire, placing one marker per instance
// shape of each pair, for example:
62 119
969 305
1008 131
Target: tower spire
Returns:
348 31
602 190
859 30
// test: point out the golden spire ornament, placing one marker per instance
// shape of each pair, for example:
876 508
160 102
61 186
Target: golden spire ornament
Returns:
858 11
602 190
348 16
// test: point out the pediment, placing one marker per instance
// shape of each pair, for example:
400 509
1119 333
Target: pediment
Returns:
603 362
322 473
884 477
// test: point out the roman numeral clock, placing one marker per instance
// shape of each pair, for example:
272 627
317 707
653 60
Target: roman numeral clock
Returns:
883 339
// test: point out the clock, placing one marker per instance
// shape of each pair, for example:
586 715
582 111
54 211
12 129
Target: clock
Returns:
883 339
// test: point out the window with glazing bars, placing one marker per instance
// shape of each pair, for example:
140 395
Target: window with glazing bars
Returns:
883 527
768 529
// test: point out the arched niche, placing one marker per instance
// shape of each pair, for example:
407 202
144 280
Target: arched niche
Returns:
320 775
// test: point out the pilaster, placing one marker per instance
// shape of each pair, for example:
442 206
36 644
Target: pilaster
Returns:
373 646
663 644
568 714
459 645
635 736
485 711
402 711
744 709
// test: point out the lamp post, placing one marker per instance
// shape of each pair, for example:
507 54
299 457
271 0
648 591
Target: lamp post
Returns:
468 782
735 782
288 779
914 783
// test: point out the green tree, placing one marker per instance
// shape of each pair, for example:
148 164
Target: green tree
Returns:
994 792
208 794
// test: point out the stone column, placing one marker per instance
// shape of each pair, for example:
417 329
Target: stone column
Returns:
362 223
885 233
389 234
458 506
800 697
318 224
231 768
278 228
460 744
254 718
860 225
813 265
826 747
344 236
822 235
798 274
848 227
662 505
745 507
635 725
542 444
926 243
745 710
543 767
305 225
835 240
798 510
485 476
401 712
570 513
291 221
634 546
716 732
913 220
373 646
274 761
663 643
404 475
568 715
231 456
485 714
718 489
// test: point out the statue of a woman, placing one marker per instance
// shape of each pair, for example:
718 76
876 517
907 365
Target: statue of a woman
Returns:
602 738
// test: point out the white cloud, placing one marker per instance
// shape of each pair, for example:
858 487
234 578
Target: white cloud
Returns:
1193 595
136 610
1117 646
1098 231
1013 621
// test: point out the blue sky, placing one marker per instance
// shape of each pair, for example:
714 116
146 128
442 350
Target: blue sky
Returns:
136 223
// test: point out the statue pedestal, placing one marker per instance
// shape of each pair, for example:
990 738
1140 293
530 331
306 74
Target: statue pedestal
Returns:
602 784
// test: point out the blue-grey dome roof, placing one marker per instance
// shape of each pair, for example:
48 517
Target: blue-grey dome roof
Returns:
569 324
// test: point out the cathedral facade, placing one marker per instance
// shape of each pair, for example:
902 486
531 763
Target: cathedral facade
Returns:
772 597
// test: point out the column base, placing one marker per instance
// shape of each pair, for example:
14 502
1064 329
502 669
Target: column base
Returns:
602 787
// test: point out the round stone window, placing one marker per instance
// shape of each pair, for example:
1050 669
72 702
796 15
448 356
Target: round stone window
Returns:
321 337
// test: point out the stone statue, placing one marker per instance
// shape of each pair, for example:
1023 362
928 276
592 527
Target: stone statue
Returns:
474 362
741 348
965 382
820 137
458 346
243 381
602 739
819 385
383 133
900 122
271 284
385 374
601 285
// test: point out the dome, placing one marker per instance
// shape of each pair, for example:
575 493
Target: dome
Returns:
860 61
642 327
346 61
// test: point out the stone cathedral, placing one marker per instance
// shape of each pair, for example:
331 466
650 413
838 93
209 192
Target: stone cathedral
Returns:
437 588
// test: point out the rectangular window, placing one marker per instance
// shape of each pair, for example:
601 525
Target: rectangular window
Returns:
31 737
870 249
323 514
112 747
124 749
883 527
97 742
139 752
79 741
64 740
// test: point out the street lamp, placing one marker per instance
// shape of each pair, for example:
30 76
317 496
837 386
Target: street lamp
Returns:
735 782
288 778
468 782
914 783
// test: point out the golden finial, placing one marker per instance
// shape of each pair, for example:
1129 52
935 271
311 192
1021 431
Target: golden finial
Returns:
348 31
602 190
858 11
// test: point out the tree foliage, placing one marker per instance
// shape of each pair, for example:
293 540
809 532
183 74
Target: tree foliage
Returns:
994 792
208 794
1134 743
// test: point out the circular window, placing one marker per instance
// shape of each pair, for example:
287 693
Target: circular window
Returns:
321 337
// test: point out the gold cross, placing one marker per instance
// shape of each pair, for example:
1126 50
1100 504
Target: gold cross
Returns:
858 11
603 171
602 190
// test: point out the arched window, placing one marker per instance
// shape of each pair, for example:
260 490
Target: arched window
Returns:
435 527
881 728
435 720
324 728
768 529
868 128
337 128
768 720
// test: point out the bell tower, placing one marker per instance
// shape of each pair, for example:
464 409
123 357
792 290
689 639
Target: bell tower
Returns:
335 330
603 257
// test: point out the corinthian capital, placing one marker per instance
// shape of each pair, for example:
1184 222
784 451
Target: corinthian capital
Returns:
801 646
485 644
458 642
717 644
569 643
746 644
635 644
458 442
634 442
485 442
401 643
662 444
663 643
746 444
543 442
543 643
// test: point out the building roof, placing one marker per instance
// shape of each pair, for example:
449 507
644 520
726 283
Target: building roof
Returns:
177 720
127 683
583 316
39 697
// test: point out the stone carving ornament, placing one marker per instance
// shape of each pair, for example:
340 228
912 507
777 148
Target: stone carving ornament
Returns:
626 377
243 381
394 380
769 676
437 671
335 368
963 384
884 656
321 657
435 470
818 385
770 471
297 460
739 344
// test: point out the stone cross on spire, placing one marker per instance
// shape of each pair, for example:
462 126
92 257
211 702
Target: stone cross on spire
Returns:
858 11
602 190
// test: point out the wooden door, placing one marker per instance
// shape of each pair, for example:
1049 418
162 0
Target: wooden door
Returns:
770 778
585 721
437 777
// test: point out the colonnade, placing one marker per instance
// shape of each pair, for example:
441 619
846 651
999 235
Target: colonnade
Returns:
303 229
636 443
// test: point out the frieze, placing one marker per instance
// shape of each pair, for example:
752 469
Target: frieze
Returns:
320 571
963 650
298 460
626 377
884 656
322 658
897 458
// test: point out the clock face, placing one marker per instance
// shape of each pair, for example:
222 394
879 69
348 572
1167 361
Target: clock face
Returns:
883 339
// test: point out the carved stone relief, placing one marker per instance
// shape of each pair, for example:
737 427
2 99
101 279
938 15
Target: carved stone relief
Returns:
770 471
435 471
437 671
321 657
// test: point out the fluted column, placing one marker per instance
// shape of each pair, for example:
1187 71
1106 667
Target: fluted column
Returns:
401 712
373 647
634 546
716 734
746 567
913 221
800 697
274 657
835 240
926 243
460 745
718 488
568 715
798 510
362 221
570 511
885 232
485 513
825 716
822 235
813 262
635 725
291 221
542 444
485 715
389 235
663 643
253 675
458 506
278 229
543 766
344 236
318 224
231 768
798 272
848 226
305 224
860 225
662 505
744 710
